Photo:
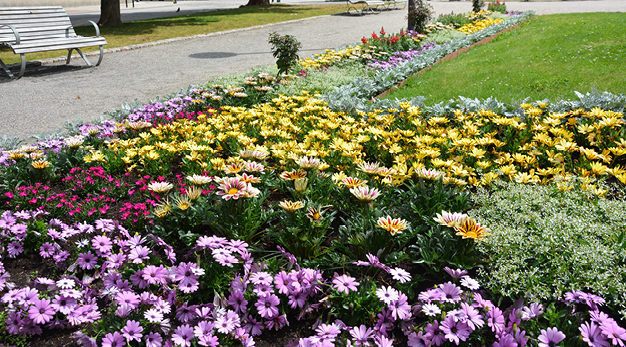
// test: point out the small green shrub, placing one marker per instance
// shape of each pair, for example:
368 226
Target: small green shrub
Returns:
545 242
497 6
285 49
420 16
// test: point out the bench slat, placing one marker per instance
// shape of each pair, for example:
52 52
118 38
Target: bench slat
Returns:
56 45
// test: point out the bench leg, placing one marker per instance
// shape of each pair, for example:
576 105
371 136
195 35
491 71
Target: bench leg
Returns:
69 55
101 54
22 68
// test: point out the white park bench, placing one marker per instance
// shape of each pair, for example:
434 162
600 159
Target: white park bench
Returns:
42 28
365 6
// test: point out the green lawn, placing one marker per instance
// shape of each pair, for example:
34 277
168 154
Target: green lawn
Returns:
546 57
189 25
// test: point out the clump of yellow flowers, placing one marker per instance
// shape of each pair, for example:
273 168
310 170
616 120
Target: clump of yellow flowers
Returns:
463 148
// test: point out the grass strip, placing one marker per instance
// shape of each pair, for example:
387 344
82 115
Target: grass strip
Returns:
151 30
547 57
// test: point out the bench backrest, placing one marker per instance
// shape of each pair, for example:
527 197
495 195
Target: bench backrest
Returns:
35 23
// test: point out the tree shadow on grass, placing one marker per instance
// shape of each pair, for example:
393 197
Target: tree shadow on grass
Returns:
239 15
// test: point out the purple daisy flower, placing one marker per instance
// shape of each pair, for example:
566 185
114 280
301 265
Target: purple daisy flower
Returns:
450 292
41 311
455 331
616 333
113 340
550 337
238 301
132 331
87 261
261 278
128 298
14 249
345 283
400 309
102 245
361 335
182 336
387 294
505 341
592 334
267 306
496 321
153 340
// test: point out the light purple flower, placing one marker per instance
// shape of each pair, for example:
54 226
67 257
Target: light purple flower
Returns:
535 310
458 273
550 337
153 340
613 331
345 283
113 340
132 331
400 309
102 245
505 341
592 334
238 301
182 335
41 311
455 331
400 275
387 294
87 261
361 335
496 321
261 278
450 292
267 306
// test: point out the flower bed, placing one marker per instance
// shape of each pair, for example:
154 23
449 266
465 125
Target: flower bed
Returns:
193 222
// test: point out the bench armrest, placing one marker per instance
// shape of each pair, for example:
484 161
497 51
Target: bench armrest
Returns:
15 32
88 21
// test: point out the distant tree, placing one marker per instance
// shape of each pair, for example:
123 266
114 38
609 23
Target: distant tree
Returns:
110 13
257 2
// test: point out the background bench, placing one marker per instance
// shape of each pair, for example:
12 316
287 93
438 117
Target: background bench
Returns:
42 28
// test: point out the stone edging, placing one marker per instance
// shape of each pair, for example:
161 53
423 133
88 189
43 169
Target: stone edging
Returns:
175 39
448 57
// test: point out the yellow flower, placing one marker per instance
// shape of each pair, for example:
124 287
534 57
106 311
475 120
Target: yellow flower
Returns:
292 175
183 202
392 225
40 164
300 184
469 228
291 206
352 182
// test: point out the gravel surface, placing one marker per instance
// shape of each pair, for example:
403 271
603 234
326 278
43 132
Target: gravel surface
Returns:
54 93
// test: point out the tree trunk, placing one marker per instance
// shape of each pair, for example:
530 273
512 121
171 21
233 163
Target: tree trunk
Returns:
110 13
257 2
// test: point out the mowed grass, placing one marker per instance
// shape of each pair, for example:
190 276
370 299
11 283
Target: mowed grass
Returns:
548 56
189 25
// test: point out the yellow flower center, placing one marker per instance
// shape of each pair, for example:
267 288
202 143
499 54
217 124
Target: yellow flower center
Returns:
233 191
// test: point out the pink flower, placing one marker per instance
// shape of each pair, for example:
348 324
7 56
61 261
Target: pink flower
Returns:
345 283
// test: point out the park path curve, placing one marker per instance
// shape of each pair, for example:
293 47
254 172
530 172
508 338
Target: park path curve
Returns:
51 95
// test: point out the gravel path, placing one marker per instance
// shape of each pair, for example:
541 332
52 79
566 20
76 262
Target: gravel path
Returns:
48 96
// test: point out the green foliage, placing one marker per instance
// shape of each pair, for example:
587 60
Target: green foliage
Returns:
457 20
444 36
357 307
544 242
285 49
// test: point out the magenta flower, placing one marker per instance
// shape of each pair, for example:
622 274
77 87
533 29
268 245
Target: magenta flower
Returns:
472 317
113 340
267 306
282 282
345 283
550 337
182 336
455 331
132 331
155 275
41 311
592 334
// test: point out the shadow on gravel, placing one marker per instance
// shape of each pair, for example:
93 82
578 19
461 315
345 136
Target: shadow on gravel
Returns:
41 71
